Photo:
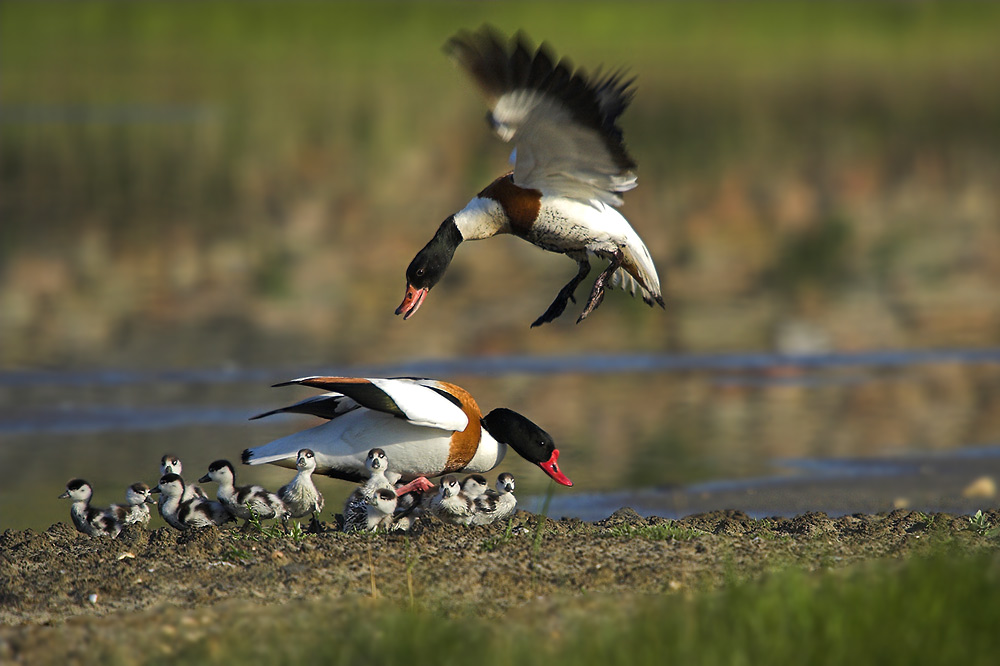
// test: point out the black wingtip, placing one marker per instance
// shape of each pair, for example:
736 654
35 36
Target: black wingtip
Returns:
500 65
266 414
246 456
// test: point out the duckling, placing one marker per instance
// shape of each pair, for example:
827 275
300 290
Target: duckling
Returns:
88 519
379 511
171 464
450 504
409 502
402 521
300 495
184 514
134 510
171 491
243 501
475 485
410 505
496 505
377 464
199 512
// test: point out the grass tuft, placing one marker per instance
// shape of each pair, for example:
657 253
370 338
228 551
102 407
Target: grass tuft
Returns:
934 609
659 532
493 543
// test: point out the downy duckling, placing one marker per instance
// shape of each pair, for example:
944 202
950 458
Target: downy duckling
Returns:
134 510
184 514
243 501
496 505
88 519
171 464
409 507
450 504
300 496
171 491
355 507
407 501
475 485
378 513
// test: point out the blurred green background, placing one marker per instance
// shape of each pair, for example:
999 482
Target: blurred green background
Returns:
231 185
255 178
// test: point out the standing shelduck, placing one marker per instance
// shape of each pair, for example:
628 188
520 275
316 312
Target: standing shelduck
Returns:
425 427
570 168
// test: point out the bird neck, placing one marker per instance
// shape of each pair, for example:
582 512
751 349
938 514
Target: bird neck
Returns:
483 217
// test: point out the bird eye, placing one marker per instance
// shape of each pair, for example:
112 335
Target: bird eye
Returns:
420 272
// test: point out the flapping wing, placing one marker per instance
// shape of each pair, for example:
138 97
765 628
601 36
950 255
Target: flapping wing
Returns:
409 399
563 123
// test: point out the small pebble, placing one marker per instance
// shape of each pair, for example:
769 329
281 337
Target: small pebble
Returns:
92 598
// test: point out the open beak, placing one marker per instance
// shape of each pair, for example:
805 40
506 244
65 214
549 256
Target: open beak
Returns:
551 468
411 301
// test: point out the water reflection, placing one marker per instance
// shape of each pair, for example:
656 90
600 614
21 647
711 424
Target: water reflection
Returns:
710 429
523 364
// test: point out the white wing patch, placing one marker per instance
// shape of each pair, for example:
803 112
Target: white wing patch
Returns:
423 406
555 154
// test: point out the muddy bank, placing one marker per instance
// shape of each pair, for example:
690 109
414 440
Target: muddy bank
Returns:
59 585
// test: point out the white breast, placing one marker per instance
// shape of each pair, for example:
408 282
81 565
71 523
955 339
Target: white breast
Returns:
576 225
489 454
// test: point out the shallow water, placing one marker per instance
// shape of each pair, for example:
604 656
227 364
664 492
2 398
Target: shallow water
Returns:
667 434
942 482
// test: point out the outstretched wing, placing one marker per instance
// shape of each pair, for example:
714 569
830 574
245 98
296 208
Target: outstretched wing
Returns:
413 400
326 406
563 123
